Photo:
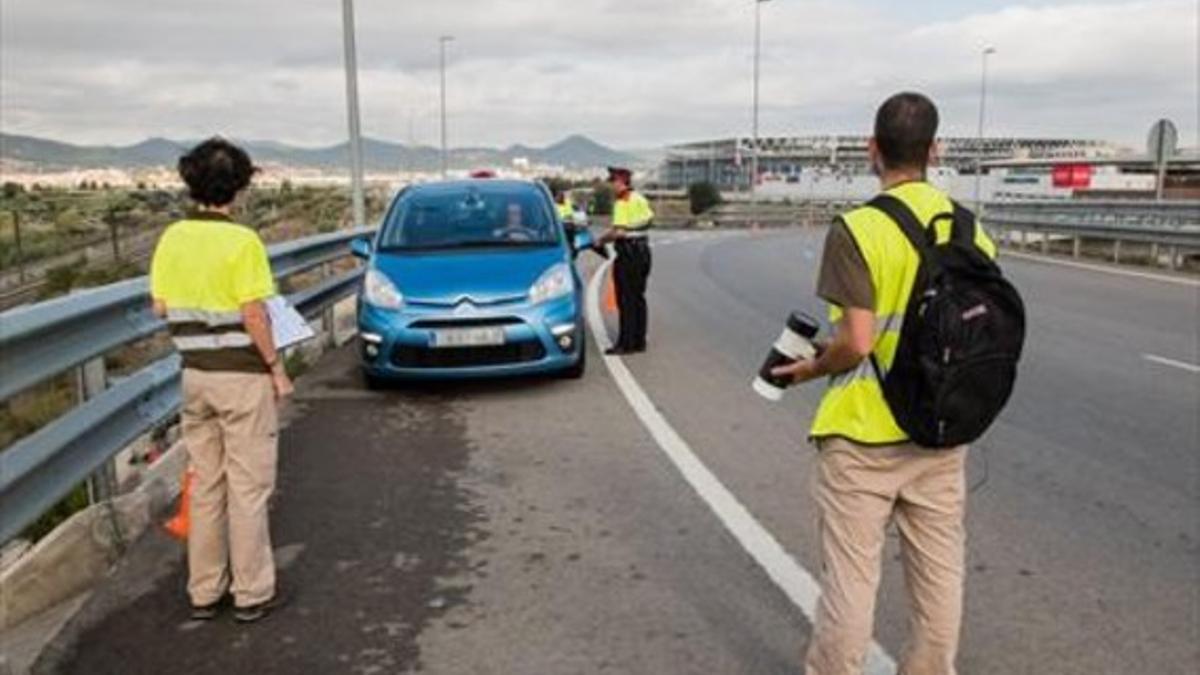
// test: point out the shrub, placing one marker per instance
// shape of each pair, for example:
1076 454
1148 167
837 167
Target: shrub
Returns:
602 200
703 196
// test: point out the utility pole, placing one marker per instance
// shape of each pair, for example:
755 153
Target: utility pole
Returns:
356 159
442 41
754 157
987 51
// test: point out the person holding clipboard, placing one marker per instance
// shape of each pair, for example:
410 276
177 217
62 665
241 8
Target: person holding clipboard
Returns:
210 278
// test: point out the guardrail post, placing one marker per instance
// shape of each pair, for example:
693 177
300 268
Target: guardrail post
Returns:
328 318
91 380
1076 246
1174 263
1116 250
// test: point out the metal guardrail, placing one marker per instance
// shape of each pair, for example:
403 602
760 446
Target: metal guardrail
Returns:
1133 211
1166 235
1173 224
38 342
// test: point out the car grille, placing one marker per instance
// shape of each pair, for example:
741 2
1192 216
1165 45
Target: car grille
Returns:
409 356
456 322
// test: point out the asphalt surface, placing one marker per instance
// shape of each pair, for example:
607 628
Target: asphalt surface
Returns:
534 526
1084 525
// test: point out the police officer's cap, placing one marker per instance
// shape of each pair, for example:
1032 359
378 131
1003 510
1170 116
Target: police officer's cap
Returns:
620 172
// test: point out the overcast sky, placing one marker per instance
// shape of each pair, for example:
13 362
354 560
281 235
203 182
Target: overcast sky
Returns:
629 73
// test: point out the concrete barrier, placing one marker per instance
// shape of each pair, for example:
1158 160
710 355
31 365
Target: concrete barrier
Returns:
80 551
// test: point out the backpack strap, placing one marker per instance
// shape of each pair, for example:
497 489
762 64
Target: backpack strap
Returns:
913 230
963 225
921 238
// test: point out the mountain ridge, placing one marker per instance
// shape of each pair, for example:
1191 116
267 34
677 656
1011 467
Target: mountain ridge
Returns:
575 151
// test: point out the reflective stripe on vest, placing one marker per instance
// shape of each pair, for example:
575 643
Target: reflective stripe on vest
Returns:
211 341
202 316
854 407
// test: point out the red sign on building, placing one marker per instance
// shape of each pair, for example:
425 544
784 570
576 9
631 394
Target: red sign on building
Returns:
1072 176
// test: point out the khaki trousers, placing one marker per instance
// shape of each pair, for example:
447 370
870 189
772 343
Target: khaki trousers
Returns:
230 430
859 490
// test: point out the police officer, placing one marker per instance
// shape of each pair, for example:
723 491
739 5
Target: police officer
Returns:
868 472
631 219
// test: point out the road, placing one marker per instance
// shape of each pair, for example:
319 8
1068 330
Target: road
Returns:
540 527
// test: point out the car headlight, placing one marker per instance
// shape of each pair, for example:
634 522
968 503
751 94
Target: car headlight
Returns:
554 283
379 291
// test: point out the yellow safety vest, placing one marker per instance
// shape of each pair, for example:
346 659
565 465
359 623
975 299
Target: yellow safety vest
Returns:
204 269
632 213
565 209
853 406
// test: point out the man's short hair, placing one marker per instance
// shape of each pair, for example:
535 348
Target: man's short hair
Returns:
216 171
905 127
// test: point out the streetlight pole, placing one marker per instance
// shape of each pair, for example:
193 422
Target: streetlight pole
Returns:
987 51
356 160
442 41
754 156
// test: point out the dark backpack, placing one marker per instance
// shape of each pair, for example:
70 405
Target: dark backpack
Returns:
963 330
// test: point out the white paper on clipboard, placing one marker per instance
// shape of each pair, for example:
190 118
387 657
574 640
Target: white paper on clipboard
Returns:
288 327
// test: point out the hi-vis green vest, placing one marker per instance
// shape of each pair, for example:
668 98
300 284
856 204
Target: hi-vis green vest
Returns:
854 407
632 214
566 210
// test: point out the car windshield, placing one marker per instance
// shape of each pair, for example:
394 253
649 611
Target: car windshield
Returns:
469 218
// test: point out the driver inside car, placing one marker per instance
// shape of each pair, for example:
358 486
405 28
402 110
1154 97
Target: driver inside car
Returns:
514 228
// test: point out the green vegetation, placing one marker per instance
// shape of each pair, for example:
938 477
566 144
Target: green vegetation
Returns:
703 196
602 199
54 222
66 278
28 411
76 500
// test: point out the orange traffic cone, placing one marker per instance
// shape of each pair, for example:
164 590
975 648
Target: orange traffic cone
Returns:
610 294
178 526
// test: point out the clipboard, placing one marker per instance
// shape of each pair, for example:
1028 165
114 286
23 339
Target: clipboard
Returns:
288 327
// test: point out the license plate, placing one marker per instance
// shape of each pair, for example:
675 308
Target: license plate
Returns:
468 337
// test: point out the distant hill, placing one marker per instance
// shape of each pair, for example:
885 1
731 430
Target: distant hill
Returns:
573 152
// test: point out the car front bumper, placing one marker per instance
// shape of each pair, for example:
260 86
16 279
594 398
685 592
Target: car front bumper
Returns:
398 344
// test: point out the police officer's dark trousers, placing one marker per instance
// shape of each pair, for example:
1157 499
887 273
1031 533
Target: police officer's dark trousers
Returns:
631 271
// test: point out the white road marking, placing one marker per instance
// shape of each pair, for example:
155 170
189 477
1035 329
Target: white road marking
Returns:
1181 281
796 583
1182 365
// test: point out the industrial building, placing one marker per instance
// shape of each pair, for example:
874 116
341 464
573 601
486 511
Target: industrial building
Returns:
726 162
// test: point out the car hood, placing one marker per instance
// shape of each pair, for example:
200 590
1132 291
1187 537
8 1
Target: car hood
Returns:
481 276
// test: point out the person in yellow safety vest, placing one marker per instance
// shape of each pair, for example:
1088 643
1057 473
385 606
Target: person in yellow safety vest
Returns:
631 221
209 278
564 206
867 472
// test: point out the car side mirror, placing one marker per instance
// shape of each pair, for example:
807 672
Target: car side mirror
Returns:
361 248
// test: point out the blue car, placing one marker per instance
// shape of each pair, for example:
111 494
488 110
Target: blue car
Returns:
469 279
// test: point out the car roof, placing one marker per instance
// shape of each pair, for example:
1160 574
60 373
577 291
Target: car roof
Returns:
490 185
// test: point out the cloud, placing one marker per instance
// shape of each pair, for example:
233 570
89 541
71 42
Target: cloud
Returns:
629 74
